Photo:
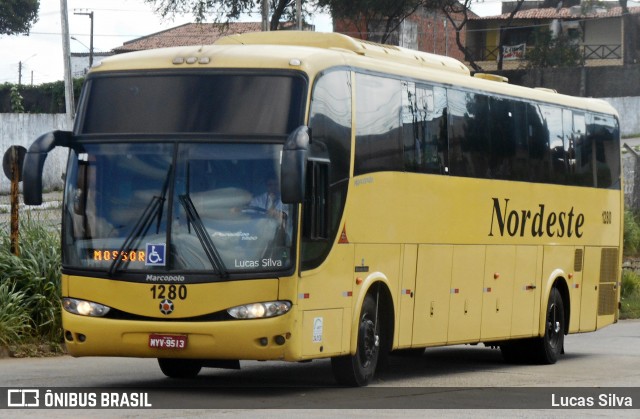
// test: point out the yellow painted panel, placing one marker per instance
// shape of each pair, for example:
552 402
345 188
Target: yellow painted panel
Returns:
465 309
406 296
433 280
574 281
526 292
322 332
497 292
590 282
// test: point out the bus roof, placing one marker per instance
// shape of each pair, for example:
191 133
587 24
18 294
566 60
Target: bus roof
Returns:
314 52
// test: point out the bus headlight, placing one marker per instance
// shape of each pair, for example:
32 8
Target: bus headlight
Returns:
260 310
84 308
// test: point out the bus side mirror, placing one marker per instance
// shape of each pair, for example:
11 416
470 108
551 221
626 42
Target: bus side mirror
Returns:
34 163
293 169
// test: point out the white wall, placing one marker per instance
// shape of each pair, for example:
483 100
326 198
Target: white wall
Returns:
627 108
22 129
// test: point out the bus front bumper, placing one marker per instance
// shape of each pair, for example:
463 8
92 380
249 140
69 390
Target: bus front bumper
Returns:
260 339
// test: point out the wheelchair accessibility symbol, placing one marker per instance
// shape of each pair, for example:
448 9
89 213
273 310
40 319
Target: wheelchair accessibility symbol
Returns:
156 254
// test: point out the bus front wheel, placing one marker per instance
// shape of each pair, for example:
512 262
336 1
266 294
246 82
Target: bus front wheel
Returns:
180 368
358 369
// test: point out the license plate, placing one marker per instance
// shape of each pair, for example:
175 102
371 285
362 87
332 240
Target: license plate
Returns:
167 341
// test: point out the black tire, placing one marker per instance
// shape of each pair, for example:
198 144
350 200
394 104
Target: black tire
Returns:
547 349
543 350
357 370
180 368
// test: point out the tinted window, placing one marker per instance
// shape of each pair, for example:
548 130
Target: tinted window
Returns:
378 134
469 140
203 103
507 140
603 134
424 128
330 122
538 138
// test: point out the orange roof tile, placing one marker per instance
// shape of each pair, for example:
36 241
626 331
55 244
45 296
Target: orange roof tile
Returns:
563 13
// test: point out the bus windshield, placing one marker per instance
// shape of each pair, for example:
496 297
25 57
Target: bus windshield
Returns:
179 207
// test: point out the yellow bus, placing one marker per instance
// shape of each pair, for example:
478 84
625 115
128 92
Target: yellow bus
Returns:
294 196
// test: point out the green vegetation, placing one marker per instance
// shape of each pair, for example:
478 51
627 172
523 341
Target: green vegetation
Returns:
30 291
561 50
43 98
630 295
630 291
631 234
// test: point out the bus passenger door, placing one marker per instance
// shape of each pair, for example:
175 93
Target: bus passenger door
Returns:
432 292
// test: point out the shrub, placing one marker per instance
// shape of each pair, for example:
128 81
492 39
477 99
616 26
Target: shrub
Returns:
35 277
631 234
630 284
14 319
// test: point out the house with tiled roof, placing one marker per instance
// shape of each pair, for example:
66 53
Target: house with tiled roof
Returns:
188 34
194 34
598 30
427 30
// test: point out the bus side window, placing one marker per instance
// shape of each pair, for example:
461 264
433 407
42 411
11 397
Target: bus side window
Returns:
424 128
602 132
378 129
330 124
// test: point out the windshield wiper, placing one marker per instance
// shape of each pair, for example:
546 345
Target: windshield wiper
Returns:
139 230
207 244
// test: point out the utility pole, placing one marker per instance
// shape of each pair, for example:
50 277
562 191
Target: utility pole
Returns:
66 51
20 73
265 15
299 14
90 14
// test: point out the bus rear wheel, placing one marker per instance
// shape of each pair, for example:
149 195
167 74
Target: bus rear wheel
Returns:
358 369
180 368
547 349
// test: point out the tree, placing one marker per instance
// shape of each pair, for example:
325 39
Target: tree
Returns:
562 50
225 11
629 34
16 100
376 20
453 8
17 16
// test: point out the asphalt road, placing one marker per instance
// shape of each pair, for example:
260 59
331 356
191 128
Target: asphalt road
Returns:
463 377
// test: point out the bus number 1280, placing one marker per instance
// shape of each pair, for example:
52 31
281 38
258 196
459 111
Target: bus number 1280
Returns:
169 291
